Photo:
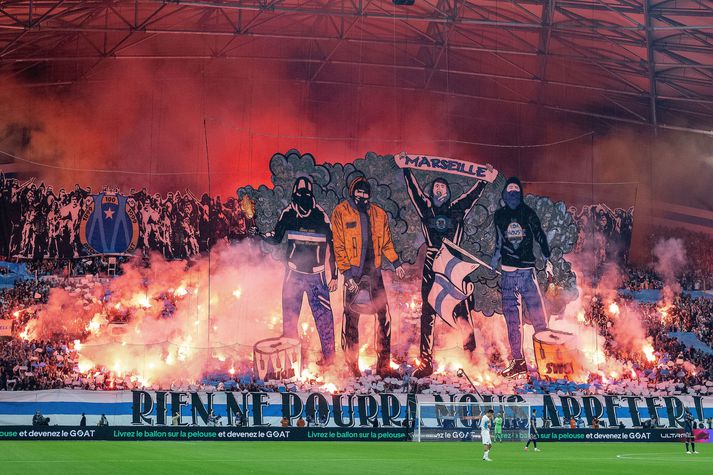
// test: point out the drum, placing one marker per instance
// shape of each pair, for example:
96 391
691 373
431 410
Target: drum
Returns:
277 358
557 355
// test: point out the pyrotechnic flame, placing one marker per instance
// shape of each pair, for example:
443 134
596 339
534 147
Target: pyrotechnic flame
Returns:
184 349
84 365
95 324
648 351
330 388
614 308
305 326
596 356
306 375
16 313
394 365
25 334
663 310
364 360
231 371
180 292
581 316
77 345
142 300
248 206
237 293
363 366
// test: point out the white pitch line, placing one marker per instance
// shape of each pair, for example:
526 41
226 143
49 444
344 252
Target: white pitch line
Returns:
661 457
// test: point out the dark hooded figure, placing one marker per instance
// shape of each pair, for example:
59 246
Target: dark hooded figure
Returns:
441 218
517 229
308 237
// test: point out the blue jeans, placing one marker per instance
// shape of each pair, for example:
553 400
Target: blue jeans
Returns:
315 285
521 285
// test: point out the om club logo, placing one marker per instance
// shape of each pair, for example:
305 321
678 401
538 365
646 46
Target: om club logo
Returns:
109 225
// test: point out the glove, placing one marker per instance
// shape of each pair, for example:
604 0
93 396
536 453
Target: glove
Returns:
351 286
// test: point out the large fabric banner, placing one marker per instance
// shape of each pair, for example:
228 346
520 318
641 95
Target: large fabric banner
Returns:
40 223
263 409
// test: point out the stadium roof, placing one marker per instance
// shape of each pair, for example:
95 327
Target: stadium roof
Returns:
646 62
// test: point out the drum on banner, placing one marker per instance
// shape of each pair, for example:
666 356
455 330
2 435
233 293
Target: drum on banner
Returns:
557 355
277 358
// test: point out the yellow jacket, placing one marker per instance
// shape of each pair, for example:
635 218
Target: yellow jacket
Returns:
347 237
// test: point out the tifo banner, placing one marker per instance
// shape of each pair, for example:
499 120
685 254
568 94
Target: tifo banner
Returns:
201 433
40 223
263 409
446 165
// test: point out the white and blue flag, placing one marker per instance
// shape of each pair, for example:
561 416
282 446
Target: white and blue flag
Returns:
451 266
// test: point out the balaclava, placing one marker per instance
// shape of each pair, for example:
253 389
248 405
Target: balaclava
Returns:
360 183
512 193
302 196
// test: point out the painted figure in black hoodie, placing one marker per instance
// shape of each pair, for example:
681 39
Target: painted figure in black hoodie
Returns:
517 229
441 218
308 237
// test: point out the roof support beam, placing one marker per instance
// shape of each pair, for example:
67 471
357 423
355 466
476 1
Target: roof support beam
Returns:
650 62
543 48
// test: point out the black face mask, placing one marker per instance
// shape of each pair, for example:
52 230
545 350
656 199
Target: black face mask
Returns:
304 201
362 203
302 195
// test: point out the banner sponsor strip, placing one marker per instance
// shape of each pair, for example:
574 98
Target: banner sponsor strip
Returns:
219 433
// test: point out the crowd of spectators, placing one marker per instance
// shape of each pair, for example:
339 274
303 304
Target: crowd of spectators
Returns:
34 365
641 278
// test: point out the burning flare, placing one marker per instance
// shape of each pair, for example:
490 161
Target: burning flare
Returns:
648 351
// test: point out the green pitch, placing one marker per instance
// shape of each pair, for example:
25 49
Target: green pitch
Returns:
379 458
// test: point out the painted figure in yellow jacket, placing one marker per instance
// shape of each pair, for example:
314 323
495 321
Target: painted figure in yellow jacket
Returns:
362 239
